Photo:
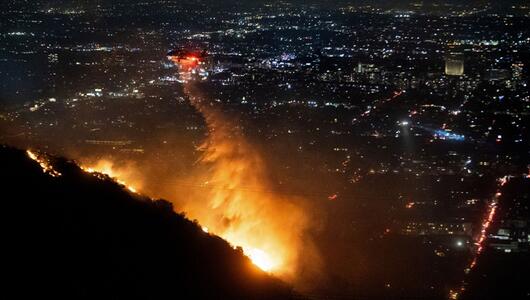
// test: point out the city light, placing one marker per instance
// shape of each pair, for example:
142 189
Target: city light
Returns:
329 144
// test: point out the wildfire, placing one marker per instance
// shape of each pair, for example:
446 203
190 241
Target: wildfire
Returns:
266 231
106 168
260 259
44 163
234 207
230 196
238 204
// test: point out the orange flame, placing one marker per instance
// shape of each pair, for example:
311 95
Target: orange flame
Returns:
238 204
44 163
123 176
235 201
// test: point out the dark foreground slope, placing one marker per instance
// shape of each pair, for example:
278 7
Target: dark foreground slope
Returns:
80 237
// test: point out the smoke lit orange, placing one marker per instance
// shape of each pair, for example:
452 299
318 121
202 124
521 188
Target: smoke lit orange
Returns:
122 176
237 202
230 196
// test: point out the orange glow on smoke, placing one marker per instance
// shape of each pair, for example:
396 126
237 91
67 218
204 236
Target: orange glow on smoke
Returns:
231 197
260 259
236 201
120 175
233 202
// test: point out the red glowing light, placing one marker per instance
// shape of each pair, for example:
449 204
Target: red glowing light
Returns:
473 263
488 219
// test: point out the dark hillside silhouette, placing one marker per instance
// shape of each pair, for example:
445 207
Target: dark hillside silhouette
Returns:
80 237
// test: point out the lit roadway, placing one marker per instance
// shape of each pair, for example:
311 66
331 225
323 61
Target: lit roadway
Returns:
489 216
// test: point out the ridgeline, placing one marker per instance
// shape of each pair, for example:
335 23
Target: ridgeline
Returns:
84 236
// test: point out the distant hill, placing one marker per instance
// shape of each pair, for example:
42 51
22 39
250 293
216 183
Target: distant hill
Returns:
77 236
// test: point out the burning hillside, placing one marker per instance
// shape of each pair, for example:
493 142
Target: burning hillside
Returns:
81 235
230 195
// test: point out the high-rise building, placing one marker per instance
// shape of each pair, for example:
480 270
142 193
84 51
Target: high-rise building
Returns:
454 64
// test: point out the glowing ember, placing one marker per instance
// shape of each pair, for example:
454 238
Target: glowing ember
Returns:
44 164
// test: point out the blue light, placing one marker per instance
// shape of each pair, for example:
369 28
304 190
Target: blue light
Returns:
449 135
